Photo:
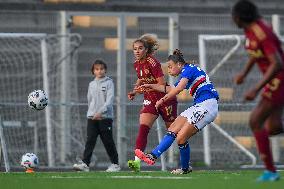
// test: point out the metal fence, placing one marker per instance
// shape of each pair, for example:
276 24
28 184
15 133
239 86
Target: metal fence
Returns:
108 36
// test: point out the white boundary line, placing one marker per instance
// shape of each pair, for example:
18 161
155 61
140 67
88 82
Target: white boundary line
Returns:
122 177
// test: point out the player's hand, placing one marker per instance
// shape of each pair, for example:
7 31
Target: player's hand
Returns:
97 116
131 95
251 94
149 86
141 89
159 103
239 78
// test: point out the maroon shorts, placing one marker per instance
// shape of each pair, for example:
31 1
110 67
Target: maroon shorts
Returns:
274 92
167 110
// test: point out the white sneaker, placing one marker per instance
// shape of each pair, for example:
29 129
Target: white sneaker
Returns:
181 171
81 167
113 168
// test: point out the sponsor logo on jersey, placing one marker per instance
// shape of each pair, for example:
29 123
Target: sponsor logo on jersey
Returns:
255 53
148 80
146 102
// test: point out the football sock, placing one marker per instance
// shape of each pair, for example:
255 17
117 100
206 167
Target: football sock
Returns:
164 144
263 145
141 140
184 155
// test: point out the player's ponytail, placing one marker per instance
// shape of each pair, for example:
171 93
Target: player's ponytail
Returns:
149 41
177 57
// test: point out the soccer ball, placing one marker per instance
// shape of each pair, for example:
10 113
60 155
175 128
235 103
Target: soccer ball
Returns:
29 161
37 100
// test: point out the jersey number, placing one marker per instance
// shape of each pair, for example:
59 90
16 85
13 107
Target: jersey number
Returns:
273 85
169 110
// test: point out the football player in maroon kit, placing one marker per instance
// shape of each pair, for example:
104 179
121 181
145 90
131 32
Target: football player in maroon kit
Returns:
149 71
264 49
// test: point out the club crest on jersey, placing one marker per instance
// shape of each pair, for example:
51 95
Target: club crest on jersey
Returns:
146 71
146 102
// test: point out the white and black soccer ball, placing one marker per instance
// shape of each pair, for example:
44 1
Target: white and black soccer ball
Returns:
29 161
37 100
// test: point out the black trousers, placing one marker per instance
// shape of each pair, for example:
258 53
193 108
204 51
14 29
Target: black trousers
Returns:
104 129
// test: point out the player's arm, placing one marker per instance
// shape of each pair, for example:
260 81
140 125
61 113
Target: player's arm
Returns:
136 85
158 87
239 78
161 80
173 91
131 94
248 66
275 66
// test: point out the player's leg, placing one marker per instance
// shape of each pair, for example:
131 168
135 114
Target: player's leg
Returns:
169 137
187 131
92 135
164 144
168 112
198 117
107 139
273 123
146 122
259 115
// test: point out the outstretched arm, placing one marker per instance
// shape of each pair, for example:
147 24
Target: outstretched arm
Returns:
157 87
173 92
150 87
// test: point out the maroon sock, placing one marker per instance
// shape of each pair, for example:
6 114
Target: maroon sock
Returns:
141 140
262 140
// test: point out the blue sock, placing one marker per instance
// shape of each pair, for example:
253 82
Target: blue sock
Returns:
167 141
184 155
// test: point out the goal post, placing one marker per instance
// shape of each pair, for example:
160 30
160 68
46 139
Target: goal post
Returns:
219 56
31 61
223 56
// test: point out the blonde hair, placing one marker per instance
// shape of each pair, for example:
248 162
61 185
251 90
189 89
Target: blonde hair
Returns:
149 41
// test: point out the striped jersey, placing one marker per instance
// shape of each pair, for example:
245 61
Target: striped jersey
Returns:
199 85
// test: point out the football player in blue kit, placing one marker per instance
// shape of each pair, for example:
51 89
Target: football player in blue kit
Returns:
196 117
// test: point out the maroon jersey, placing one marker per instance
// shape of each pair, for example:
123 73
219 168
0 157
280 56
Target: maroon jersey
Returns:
148 71
261 42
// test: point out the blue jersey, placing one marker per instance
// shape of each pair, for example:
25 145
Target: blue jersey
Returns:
199 85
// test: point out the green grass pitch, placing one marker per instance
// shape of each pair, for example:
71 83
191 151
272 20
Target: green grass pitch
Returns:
207 179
